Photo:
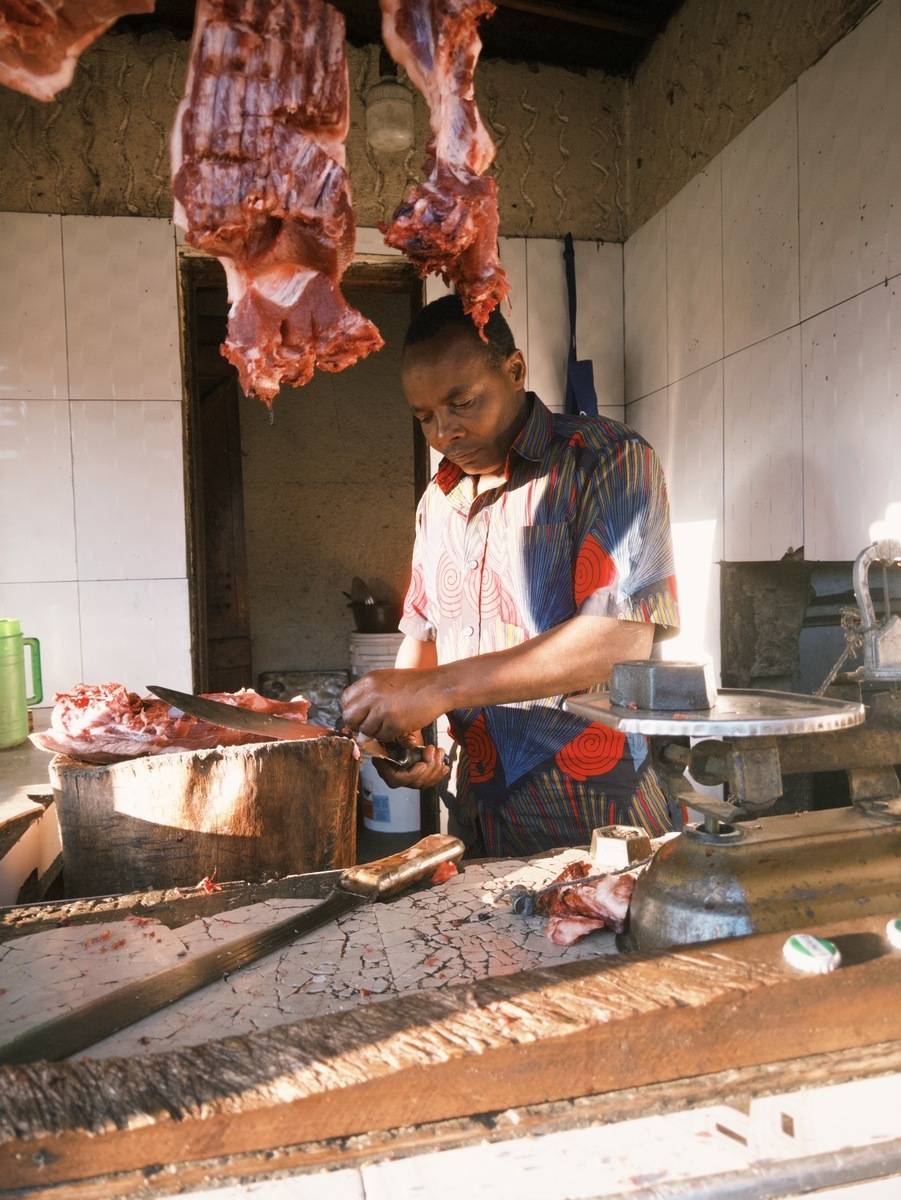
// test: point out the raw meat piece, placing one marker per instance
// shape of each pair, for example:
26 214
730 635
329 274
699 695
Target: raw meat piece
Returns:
105 723
42 40
258 180
448 225
584 906
563 931
442 874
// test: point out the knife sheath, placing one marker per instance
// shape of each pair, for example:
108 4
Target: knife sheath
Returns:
73 1031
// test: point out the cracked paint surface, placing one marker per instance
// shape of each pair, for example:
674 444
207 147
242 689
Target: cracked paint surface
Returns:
455 933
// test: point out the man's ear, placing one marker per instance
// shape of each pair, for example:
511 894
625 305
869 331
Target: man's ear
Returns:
516 368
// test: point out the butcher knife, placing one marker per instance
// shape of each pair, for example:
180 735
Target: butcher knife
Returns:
231 716
73 1031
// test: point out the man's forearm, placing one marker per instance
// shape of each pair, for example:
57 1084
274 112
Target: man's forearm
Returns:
576 655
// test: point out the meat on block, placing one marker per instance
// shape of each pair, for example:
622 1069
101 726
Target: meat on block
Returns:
259 181
448 224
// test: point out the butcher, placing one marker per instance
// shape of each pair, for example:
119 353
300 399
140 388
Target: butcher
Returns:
542 556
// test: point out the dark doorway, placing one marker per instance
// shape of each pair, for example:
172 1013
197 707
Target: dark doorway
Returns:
249 493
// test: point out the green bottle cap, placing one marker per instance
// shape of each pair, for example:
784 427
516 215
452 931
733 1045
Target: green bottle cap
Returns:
814 955
893 932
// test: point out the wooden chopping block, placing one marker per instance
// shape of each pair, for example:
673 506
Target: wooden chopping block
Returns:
248 812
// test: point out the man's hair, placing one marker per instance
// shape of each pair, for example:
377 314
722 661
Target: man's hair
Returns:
448 313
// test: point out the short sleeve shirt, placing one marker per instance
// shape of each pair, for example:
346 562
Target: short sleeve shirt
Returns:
580 526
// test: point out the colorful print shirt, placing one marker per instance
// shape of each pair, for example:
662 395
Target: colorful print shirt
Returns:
580 526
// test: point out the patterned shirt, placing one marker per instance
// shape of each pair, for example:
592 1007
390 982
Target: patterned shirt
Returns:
581 526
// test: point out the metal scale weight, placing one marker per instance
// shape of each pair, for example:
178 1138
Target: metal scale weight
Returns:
739 871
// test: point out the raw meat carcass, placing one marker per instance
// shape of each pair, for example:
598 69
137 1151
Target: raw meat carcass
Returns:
105 723
258 180
589 903
42 40
448 225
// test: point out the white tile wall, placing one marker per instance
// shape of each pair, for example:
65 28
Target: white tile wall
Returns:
694 275
694 453
650 415
548 321
33 326
50 613
91 466
760 227
37 540
785 280
137 632
121 309
516 308
852 420
645 336
849 111
762 450
130 515
599 320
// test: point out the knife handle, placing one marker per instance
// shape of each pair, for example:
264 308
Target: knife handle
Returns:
386 876
404 756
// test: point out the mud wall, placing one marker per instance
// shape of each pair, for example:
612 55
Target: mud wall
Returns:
101 149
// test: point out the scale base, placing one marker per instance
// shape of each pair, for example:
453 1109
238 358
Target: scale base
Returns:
772 874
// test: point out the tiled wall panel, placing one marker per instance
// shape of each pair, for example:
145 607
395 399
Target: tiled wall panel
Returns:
760 227
121 309
599 319
129 489
763 450
37 538
516 307
694 275
852 421
548 321
797 306
849 108
645 336
136 632
50 613
650 416
33 325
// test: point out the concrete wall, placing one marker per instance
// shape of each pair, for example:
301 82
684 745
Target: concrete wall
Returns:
763 328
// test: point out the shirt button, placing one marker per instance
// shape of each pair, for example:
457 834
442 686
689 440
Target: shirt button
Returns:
473 564
467 631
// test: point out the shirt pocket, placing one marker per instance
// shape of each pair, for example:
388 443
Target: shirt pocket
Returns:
539 570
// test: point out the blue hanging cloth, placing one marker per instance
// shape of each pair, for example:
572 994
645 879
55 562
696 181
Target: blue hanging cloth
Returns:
580 394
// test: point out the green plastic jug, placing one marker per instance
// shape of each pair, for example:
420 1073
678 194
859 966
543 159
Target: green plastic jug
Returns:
14 699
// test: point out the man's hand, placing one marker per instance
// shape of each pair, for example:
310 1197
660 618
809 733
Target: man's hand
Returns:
389 705
427 773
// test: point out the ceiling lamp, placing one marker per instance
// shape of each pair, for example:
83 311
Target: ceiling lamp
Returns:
389 111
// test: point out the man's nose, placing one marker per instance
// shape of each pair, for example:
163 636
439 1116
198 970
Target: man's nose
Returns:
447 429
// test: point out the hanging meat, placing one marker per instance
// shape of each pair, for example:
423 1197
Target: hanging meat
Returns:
448 225
42 40
259 181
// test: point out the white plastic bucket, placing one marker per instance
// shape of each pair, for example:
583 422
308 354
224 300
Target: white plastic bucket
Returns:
373 652
387 810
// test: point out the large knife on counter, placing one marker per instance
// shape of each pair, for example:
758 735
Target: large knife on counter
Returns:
231 716
73 1031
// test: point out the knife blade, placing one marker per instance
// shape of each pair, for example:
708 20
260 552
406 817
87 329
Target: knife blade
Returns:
231 716
73 1031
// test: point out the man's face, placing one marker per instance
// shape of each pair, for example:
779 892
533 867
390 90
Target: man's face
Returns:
469 410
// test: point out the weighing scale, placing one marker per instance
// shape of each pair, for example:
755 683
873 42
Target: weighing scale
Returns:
738 871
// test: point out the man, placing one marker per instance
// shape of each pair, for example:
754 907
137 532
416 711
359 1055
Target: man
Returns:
542 557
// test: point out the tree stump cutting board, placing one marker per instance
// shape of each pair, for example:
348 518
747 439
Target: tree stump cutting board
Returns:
247 812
